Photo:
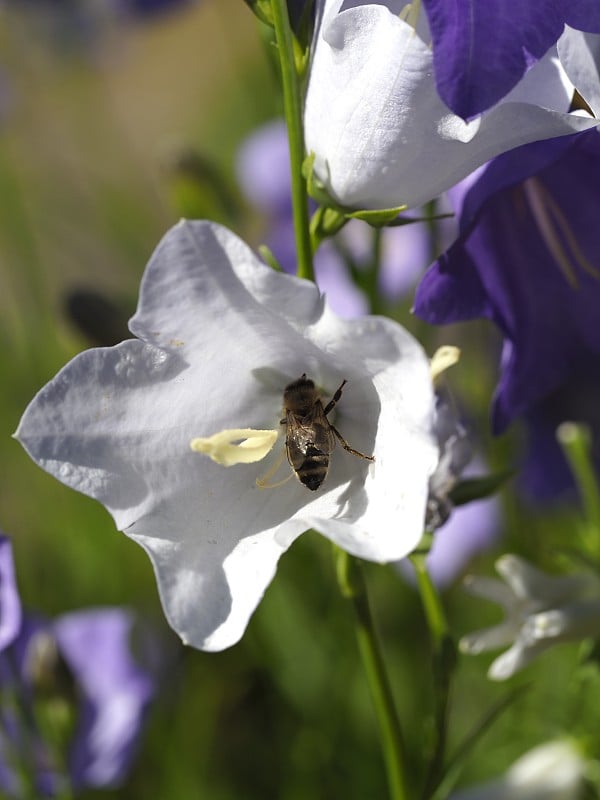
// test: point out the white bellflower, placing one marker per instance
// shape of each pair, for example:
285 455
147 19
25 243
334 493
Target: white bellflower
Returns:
220 335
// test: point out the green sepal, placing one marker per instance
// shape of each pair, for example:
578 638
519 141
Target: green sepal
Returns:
262 10
380 218
423 549
302 25
326 222
267 256
316 188
398 222
471 489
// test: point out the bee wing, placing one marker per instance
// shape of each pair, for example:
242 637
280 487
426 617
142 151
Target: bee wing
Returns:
308 435
325 438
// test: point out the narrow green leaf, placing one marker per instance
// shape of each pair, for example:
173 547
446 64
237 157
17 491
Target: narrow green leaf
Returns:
471 489
458 761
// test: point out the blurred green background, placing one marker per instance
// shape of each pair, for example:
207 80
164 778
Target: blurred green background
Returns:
92 141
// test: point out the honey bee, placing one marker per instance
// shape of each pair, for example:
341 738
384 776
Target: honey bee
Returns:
310 437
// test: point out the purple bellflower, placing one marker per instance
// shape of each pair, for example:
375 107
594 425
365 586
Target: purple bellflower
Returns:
84 659
482 48
527 259
10 603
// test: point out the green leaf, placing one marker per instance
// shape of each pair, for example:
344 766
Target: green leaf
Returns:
471 489
458 761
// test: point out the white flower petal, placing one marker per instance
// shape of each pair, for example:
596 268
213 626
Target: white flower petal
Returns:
489 638
552 771
490 589
222 336
512 660
569 623
579 54
379 131
535 588
211 581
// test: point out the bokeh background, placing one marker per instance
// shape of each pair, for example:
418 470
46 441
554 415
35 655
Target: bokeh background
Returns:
112 126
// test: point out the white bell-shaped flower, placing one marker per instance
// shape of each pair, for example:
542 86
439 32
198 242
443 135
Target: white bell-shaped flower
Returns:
220 335
381 135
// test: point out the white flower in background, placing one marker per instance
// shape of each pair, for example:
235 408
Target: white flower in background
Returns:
541 610
552 771
220 335
382 137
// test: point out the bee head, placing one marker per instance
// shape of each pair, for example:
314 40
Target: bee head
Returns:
300 394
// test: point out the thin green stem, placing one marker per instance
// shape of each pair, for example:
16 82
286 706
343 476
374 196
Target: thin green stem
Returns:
444 656
434 611
352 584
575 441
292 105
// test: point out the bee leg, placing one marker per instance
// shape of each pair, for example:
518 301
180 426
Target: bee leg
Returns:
347 447
263 483
335 398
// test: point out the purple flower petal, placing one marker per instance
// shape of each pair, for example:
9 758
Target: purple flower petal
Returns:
10 604
110 692
115 692
482 48
263 168
529 261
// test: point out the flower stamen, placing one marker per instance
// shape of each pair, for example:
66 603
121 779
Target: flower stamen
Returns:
263 483
443 358
236 445
553 225
410 13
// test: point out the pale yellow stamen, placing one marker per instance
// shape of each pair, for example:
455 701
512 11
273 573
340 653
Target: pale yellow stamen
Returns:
443 358
552 224
263 483
236 445
410 13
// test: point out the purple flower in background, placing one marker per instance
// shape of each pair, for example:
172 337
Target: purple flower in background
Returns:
482 48
84 660
527 259
10 603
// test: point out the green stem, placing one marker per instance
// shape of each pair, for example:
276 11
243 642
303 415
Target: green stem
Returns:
444 657
434 611
292 105
575 441
352 584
